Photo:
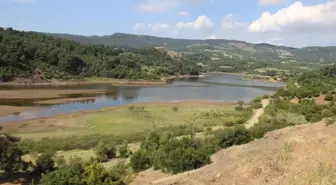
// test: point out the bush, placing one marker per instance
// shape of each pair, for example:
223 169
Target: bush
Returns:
123 151
329 97
45 163
175 109
232 136
105 151
90 173
140 161
181 155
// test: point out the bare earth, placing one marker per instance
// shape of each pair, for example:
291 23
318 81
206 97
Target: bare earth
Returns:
44 94
301 155
257 114
7 110
64 100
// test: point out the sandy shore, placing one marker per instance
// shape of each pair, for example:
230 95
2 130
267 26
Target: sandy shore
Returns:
63 100
47 94
112 81
7 110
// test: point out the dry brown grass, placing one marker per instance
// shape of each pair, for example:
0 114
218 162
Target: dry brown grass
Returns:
302 155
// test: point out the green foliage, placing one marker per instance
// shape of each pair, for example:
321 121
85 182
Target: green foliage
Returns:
45 163
181 155
105 151
329 97
232 136
140 161
175 109
27 54
256 103
123 151
10 154
79 173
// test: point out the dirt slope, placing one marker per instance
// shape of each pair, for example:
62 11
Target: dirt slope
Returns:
302 155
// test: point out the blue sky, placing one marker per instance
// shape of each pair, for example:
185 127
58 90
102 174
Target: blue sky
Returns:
281 22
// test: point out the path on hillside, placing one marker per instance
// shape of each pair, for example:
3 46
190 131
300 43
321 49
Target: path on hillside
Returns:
255 118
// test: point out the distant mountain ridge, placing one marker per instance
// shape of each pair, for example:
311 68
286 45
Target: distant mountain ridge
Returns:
229 48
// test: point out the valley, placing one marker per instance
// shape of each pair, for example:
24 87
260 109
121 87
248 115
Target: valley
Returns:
134 109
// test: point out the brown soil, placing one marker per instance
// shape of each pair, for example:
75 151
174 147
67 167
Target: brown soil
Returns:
45 94
7 110
64 100
298 155
295 100
320 100
119 82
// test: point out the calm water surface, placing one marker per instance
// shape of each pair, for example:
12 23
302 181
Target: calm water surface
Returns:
212 88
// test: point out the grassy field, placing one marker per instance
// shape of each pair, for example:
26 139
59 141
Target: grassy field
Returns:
124 120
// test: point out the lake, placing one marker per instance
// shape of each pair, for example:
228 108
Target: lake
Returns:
211 88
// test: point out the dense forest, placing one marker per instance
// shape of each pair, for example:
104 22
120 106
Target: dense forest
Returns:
32 54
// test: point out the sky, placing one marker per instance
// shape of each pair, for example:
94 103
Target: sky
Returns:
280 22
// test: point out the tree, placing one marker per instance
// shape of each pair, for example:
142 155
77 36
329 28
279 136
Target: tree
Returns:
45 163
105 151
140 161
10 154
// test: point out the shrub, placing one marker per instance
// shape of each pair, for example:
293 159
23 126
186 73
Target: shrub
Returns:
131 108
232 136
45 163
123 151
239 107
329 97
90 173
105 151
140 161
178 155
175 109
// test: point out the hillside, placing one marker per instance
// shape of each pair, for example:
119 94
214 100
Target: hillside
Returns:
42 57
217 47
298 155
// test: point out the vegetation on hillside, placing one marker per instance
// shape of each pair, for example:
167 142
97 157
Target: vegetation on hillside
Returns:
229 48
37 55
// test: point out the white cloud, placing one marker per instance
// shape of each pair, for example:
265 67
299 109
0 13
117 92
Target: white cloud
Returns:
298 18
157 5
203 23
272 2
139 26
158 26
229 22
183 13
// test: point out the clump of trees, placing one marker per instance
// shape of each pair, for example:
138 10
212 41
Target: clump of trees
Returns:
27 54
105 151
174 155
10 154
85 173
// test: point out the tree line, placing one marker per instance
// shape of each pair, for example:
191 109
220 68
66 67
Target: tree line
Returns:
32 54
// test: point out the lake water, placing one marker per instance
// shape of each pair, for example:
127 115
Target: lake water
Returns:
211 88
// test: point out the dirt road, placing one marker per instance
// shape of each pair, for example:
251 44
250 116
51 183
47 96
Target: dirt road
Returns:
257 114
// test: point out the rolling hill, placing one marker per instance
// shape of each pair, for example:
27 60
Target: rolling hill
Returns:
214 48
